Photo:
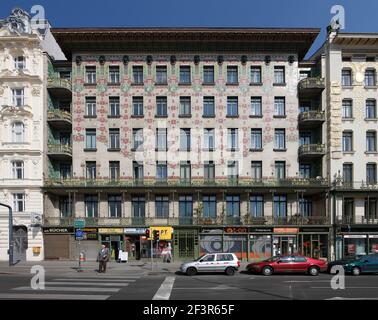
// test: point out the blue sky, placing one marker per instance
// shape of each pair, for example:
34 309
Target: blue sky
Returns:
360 15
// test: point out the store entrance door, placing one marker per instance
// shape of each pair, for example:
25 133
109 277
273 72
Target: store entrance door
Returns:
114 243
284 245
185 244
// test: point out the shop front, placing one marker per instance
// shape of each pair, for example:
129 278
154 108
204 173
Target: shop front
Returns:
136 244
58 242
89 244
113 238
354 245
185 243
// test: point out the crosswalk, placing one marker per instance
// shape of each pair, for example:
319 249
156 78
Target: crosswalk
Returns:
75 287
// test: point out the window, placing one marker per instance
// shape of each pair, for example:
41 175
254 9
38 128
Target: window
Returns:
371 109
138 171
185 171
138 106
90 170
114 74
346 77
138 206
279 206
115 206
138 74
225 257
370 77
114 139
347 109
232 139
161 139
348 210
185 75
305 207
185 106
232 106
256 107
209 203
209 139
279 107
279 139
185 144
233 170
18 132
305 170
347 172
305 137
256 206
114 110
19 63
279 75
208 258
209 171
161 171
371 141
114 170
90 72
256 170
208 75
161 106
161 75
232 74
90 106
18 169
19 202
162 206
256 75
280 168
370 208
137 138
65 171
185 206
91 206
208 107
65 207
233 206
18 97
90 138
347 141
371 173
256 139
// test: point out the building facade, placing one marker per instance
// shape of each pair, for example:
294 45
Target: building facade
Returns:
207 131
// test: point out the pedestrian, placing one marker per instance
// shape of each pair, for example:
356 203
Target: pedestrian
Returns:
169 252
103 258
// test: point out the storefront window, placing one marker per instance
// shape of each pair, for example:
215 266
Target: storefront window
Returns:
354 246
260 247
373 244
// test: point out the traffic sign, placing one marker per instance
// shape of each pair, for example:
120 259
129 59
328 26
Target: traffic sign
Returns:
79 234
79 223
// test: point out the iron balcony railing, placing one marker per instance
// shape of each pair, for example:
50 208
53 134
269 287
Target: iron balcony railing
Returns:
339 183
57 114
59 149
312 83
348 220
312 116
241 182
56 82
311 149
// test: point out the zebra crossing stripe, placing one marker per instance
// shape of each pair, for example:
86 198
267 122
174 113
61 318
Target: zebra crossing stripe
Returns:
93 280
41 296
83 289
106 284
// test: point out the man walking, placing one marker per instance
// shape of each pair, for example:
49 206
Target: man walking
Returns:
103 258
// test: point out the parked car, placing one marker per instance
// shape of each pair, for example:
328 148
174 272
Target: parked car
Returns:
358 265
212 262
288 264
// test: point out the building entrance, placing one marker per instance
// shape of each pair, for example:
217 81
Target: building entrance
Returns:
284 245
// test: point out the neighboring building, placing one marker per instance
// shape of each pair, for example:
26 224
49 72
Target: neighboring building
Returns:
209 131
22 121
349 63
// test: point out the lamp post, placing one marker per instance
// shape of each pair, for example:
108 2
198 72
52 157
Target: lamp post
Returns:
10 250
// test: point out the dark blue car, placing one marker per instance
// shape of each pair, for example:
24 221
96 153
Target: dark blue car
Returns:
361 264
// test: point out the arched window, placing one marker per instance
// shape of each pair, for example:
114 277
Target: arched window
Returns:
18 132
370 77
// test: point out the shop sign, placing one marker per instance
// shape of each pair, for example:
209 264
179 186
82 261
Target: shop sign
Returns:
313 230
52 230
355 236
110 230
285 230
90 233
134 230
165 232
261 230
235 230
373 236
254 236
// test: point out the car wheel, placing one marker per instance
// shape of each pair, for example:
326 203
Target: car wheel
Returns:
267 271
356 271
313 271
230 271
191 271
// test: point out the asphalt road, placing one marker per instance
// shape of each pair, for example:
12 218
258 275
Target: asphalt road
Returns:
146 285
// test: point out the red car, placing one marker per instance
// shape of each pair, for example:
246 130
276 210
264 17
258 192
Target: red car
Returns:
288 264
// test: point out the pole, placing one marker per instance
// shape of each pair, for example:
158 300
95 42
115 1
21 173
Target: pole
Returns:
10 250
152 253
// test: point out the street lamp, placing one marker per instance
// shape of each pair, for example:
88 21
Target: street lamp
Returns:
10 250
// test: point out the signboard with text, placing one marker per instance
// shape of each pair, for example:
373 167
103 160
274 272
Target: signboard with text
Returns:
165 232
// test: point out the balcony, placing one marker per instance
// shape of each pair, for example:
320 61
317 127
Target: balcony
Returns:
232 221
58 221
59 87
352 220
138 221
59 151
311 86
310 119
311 151
186 221
339 184
59 118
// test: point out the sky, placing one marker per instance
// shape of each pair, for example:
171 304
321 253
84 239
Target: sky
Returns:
360 15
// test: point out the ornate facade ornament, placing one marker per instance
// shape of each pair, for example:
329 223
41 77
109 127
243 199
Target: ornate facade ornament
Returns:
18 22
